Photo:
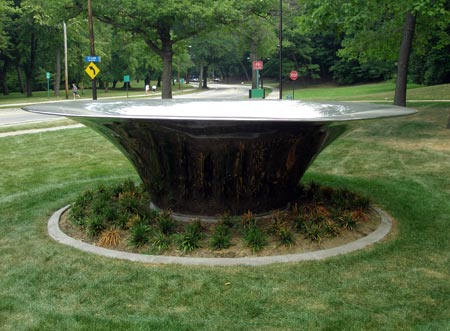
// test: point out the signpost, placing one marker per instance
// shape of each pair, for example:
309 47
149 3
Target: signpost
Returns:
47 75
293 75
258 65
126 79
92 70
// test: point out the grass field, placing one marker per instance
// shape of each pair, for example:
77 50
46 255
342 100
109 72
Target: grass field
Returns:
370 92
402 164
137 91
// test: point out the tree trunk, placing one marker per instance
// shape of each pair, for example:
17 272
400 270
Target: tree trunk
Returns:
205 77
200 76
403 60
254 57
166 92
19 79
30 64
3 77
166 56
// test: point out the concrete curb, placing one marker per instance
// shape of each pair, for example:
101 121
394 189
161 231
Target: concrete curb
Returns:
384 228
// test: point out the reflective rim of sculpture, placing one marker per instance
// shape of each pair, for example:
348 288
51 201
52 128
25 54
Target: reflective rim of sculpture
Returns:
201 158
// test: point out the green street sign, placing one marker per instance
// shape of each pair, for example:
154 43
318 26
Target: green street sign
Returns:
126 79
47 75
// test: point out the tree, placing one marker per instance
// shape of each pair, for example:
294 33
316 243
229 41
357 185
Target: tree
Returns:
162 24
6 14
372 30
403 60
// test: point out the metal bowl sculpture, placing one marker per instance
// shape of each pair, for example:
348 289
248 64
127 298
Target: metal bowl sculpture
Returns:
206 157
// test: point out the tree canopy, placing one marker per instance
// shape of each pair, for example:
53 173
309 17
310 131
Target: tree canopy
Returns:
344 41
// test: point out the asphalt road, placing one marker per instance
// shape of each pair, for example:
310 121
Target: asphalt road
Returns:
16 116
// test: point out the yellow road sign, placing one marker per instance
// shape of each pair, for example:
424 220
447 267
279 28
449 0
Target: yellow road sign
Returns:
92 70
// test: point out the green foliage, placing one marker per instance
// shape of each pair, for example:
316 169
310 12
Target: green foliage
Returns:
286 236
227 220
166 223
254 237
94 224
248 220
191 238
109 206
314 231
352 71
139 234
160 241
221 238
348 221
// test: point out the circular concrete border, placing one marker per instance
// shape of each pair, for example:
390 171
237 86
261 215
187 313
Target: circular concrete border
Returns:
383 229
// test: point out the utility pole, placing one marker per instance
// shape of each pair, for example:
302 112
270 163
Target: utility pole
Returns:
280 36
91 39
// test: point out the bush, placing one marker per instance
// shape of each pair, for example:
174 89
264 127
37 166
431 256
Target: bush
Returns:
320 212
139 234
286 236
160 241
110 238
191 237
255 238
221 238
94 225
166 223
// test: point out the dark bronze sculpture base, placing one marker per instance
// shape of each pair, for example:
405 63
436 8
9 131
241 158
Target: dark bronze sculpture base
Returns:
212 167
207 157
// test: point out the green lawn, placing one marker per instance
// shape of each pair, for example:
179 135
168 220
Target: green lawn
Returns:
137 91
403 164
373 92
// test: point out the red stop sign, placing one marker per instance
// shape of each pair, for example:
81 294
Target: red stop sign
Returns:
258 65
293 75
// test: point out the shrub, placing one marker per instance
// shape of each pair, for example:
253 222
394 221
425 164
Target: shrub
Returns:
314 231
166 223
227 220
221 238
347 221
248 220
191 237
139 234
94 225
254 238
80 208
160 241
286 236
278 221
110 238
129 201
330 228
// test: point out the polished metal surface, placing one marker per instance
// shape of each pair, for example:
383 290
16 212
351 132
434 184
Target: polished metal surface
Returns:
222 110
205 157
